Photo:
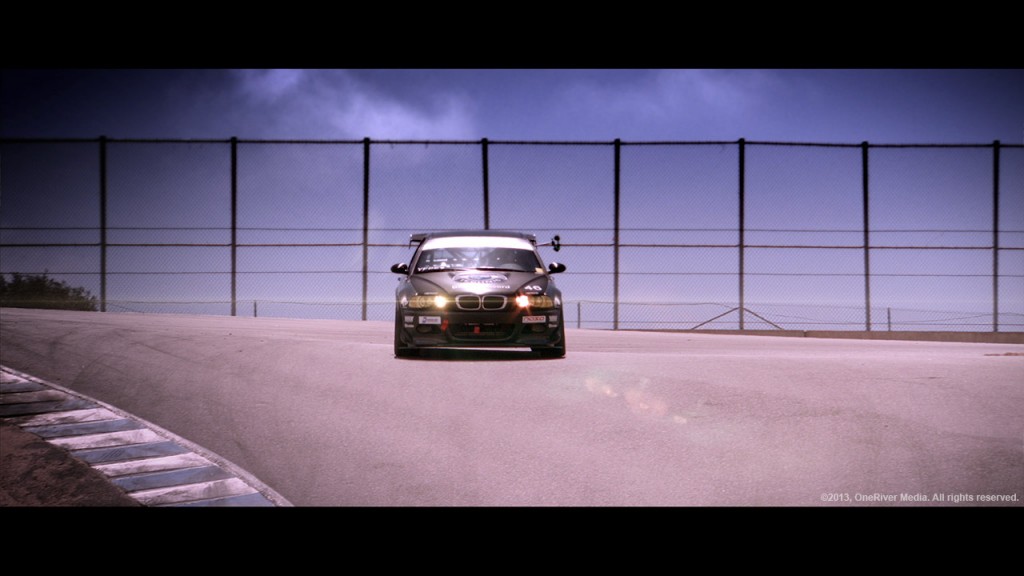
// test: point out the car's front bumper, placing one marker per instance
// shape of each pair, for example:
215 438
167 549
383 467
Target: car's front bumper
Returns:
481 328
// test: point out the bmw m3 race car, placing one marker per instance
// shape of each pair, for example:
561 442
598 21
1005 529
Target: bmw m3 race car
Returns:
478 288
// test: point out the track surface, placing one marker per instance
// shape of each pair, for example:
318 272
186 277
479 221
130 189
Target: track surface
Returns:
322 412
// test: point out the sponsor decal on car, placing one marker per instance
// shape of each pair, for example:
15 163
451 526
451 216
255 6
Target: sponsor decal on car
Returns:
493 281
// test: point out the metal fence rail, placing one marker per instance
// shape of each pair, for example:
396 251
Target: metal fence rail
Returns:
767 231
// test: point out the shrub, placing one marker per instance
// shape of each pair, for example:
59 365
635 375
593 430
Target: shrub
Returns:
41 291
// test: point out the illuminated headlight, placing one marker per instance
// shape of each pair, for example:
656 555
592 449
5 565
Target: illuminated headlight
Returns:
527 301
427 301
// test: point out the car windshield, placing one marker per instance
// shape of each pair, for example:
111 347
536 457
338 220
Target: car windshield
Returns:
478 258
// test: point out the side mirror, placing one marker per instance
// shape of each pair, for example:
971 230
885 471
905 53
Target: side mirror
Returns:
555 268
400 268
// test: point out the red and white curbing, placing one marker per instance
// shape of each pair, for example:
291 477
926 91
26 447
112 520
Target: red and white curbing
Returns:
238 487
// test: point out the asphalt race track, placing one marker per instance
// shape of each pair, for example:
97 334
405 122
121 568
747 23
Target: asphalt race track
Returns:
323 413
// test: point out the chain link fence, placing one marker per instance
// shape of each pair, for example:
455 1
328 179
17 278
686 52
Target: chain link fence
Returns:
656 235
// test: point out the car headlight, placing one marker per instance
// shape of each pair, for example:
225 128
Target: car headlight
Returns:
528 301
423 301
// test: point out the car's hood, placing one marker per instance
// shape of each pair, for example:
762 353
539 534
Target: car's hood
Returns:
480 282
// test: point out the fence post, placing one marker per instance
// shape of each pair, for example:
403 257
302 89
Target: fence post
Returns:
234 226
487 184
995 236
615 239
867 238
366 218
742 226
579 314
103 223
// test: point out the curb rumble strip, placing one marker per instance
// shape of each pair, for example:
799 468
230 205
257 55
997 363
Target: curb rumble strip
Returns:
152 465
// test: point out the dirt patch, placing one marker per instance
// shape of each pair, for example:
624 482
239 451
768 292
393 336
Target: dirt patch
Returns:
34 472
1007 354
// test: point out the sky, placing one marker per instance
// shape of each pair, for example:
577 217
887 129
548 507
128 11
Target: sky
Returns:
879 106
179 193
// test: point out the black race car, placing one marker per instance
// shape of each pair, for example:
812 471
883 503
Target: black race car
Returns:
476 288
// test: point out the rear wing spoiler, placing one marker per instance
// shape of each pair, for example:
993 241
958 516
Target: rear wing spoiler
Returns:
555 242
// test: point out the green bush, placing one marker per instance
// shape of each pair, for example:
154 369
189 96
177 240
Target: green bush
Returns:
40 291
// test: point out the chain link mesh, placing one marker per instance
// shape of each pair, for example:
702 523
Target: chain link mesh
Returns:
1011 235
300 230
48 196
299 244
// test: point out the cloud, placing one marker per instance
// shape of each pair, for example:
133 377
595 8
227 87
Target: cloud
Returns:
725 90
368 115
683 104
343 105
269 85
